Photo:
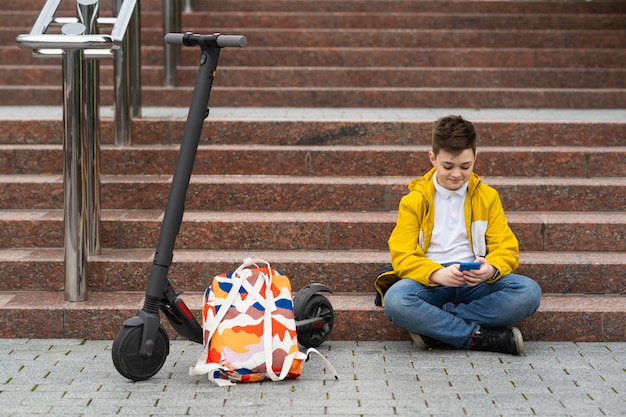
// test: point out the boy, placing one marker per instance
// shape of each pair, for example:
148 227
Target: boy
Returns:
450 216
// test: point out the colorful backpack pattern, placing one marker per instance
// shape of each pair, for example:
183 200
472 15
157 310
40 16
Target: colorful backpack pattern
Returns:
249 328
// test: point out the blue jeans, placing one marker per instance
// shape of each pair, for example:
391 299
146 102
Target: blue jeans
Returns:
451 315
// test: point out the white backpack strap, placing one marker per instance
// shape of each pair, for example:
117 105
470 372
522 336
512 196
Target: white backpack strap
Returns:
237 281
226 304
269 306
202 367
330 367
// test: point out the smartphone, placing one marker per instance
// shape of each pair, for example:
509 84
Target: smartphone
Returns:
466 266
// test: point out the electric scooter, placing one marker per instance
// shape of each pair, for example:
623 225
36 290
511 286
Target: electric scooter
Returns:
142 345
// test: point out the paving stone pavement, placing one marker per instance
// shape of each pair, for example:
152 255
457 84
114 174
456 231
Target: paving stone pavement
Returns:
68 377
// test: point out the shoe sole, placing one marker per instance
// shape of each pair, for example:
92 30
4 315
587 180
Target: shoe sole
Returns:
519 340
418 341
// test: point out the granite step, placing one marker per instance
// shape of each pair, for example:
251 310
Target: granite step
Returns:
570 98
458 6
403 77
353 270
37 314
289 193
365 56
218 19
394 20
323 127
399 77
323 161
401 6
393 38
578 38
387 97
230 230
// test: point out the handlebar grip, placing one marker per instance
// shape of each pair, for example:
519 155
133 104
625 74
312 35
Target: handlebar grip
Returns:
192 39
174 38
236 41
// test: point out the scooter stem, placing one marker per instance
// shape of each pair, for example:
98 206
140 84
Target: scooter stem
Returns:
172 218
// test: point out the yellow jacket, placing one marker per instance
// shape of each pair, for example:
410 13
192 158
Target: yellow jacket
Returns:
487 229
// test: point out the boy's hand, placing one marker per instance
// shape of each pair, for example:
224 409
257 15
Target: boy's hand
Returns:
452 276
474 277
448 277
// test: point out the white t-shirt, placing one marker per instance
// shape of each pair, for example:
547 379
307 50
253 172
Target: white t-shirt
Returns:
449 241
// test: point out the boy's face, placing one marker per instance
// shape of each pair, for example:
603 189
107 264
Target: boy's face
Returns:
453 170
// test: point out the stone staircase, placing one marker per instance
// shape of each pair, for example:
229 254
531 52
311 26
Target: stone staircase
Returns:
316 127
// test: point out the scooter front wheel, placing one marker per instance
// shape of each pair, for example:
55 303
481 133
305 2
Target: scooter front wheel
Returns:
127 359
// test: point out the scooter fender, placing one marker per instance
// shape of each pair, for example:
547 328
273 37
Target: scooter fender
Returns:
304 295
150 324
134 322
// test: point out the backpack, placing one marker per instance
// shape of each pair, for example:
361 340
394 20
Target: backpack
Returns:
249 330
384 280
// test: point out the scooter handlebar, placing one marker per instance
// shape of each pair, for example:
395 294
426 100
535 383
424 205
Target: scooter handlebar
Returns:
217 39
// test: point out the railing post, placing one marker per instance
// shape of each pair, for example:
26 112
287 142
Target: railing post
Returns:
134 40
73 179
121 71
88 16
171 23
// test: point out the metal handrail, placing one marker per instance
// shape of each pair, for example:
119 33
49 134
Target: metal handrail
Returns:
79 46
38 39
66 42
96 46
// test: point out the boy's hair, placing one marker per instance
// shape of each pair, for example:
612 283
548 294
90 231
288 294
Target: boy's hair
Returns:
453 134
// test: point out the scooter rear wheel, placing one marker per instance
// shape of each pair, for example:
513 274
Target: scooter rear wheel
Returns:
129 362
317 306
